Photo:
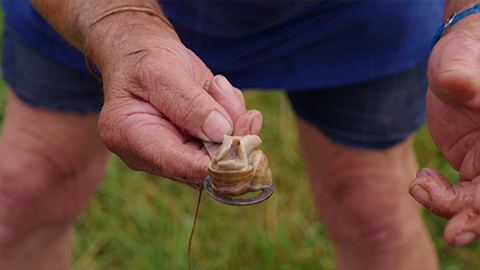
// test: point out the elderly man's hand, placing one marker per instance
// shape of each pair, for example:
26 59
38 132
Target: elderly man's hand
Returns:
161 101
453 116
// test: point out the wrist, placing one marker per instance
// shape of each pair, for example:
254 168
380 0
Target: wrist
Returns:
453 19
124 32
457 6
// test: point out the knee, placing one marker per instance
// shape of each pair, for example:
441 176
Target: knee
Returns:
356 217
34 192
367 226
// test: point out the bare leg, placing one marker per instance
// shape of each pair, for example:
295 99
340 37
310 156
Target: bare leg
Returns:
50 166
363 199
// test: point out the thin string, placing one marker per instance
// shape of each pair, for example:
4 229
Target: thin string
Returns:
93 70
148 10
193 229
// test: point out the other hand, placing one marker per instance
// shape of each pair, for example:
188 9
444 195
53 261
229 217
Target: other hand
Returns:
453 117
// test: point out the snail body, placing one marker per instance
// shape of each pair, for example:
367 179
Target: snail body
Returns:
239 166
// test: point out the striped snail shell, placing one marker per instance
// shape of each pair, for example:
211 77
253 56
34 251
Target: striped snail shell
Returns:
239 166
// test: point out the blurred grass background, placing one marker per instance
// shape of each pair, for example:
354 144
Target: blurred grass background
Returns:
140 221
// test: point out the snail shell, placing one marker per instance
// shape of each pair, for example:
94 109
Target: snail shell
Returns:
239 166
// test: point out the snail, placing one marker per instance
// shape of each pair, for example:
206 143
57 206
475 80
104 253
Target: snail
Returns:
239 166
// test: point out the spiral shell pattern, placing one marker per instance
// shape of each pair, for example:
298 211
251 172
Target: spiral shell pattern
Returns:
239 166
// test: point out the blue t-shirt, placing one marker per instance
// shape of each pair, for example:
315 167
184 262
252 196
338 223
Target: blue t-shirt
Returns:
278 44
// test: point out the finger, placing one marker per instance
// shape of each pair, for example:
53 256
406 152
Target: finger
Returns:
231 98
145 141
462 228
249 122
454 70
227 96
433 191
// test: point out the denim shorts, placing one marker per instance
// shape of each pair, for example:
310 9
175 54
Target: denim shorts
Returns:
40 81
376 114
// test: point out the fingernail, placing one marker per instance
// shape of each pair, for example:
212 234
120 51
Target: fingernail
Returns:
206 84
464 238
421 195
224 85
422 172
215 126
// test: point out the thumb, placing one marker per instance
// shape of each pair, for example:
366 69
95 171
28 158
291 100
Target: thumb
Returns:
435 192
454 66
191 108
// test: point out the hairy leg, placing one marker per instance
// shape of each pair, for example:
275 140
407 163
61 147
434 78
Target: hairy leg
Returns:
50 165
363 199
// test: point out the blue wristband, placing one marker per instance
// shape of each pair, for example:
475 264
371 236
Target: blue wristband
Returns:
452 20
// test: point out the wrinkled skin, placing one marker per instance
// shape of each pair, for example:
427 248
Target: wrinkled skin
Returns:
159 91
453 117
